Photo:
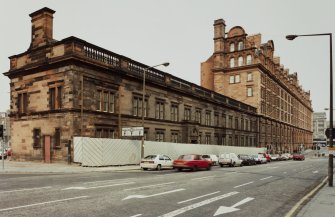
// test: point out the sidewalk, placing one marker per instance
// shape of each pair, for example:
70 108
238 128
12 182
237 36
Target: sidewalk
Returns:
11 167
321 205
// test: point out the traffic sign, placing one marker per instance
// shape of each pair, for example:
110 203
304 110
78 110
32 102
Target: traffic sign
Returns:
327 132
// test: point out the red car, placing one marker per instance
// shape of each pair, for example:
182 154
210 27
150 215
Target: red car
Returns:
267 156
192 162
298 157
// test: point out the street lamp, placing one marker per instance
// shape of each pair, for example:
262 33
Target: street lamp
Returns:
143 100
330 164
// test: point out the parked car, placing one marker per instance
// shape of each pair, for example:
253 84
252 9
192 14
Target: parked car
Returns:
246 160
229 159
259 158
3 154
298 157
275 157
157 162
9 151
215 159
208 158
267 156
192 162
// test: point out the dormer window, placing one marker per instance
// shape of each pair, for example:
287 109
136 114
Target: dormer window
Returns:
240 45
232 47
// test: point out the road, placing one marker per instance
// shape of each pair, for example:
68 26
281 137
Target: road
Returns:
263 190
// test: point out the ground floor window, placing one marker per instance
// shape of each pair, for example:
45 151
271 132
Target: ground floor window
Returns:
104 132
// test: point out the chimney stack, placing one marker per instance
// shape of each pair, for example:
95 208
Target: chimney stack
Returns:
41 27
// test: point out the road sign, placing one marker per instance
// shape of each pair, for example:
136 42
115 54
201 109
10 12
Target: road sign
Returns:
327 132
132 131
331 150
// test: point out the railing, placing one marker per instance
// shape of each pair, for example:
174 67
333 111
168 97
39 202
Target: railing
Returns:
151 74
101 56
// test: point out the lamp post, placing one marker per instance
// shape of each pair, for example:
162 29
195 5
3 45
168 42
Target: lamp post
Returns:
143 100
330 162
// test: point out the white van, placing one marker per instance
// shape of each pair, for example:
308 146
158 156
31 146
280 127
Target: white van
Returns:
229 159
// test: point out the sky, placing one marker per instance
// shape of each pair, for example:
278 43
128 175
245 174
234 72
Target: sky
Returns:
180 32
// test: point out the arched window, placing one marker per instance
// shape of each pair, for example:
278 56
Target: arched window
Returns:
249 61
240 45
232 47
232 62
240 61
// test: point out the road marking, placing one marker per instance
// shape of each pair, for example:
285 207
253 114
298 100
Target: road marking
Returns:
37 204
153 195
136 215
205 177
243 184
110 180
227 209
316 171
266 178
147 186
272 167
25 189
198 197
196 205
102 186
284 172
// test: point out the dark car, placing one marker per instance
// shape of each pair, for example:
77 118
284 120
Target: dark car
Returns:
247 160
298 157
192 162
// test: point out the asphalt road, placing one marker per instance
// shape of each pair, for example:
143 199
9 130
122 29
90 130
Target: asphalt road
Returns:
263 190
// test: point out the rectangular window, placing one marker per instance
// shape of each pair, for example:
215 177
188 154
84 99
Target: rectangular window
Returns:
160 110
208 118
249 91
174 112
137 106
160 136
105 101
249 76
208 139
187 113
230 122
104 132
216 139
174 136
198 115
236 123
237 78
224 120
22 103
216 119
57 137
55 98
37 139
232 79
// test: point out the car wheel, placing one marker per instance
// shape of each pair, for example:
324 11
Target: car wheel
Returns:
221 165
180 169
194 168
159 167
209 167
145 168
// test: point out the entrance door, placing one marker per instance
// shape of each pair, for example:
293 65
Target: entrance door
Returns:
47 151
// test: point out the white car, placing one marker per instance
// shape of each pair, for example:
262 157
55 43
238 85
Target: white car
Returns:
157 162
229 159
259 158
215 159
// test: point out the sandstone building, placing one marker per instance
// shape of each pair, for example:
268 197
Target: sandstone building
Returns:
244 68
66 88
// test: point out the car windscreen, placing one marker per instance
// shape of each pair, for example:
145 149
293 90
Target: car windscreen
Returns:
150 157
186 157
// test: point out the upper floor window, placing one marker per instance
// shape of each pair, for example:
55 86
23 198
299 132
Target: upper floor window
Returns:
208 118
240 61
249 60
160 109
249 91
232 47
240 45
174 112
249 76
22 103
216 119
232 62
236 123
105 101
198 115
187 113
55 97
137 106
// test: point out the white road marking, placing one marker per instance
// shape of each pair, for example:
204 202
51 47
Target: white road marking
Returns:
316 171
243 184
205 177
225 209
25 189
94 187
266 178
196 205
284 172
136 215
198 197
109 180
272 167
153 195
37 204
148 186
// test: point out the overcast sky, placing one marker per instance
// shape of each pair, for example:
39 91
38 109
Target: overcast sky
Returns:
180 32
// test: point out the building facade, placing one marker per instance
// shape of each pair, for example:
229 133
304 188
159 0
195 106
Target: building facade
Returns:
5 122
67 88
319 127
244 68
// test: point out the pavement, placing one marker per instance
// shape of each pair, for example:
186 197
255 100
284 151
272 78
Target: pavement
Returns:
321 202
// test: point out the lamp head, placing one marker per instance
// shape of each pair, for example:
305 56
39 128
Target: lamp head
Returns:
166 64
291 37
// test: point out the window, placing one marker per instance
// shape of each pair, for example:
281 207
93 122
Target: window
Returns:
55 98
249 76
198 115
37 138
174 112
236 141
224 120
216 139
57 137
160 109
104 132
208 138
216 119
237 78
240 61
240 45
22 103
249 91
160 135
105 101
137 106
208 118
232 47
230 122
187 113
232 63
236 123
232 79
249 61
174 136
